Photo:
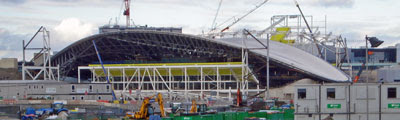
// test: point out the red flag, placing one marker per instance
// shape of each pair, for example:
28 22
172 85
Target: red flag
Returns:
86 93
239 98
130 91
356 79
370 52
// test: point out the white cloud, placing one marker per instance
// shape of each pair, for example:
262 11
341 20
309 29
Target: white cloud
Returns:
71 30
316 3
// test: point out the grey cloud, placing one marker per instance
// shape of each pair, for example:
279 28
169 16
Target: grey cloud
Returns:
13 2
336 3
9 41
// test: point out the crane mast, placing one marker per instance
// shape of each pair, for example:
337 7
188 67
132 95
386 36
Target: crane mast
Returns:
127 11
213 26
239 19
309 29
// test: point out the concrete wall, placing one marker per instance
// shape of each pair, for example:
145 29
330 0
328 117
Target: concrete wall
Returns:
349 103
309 103
9 63
287 92
358 101
38 59
58 91
389 74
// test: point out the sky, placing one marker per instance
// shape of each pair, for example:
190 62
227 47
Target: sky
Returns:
71 20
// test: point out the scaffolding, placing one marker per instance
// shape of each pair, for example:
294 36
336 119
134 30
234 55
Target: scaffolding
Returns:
198 79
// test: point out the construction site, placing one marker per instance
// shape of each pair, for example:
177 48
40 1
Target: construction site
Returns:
291 70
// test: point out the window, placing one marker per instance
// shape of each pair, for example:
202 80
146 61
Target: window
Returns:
73 88
108 88
392 93
42 86
29 87
90 88
301 93
81 97
73 97
99 97
288 95
330 93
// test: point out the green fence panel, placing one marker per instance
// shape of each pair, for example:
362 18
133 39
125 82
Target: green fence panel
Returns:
261 114
166 118
171 115
229 116
288 114
183 118
275 116
241 115
252 114
207 117
218 116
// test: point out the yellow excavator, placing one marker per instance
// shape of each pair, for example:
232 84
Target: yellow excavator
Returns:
146 109
198 108
193 109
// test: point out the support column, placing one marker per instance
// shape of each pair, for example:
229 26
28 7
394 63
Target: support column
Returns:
201 82
139 81
170 78
186 82
58 72
230 94
79 75
218 82
123 80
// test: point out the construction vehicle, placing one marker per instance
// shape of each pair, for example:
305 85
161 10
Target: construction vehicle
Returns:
198 108
194 107
146 110
43 113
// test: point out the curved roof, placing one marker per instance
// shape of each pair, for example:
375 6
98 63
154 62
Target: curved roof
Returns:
154 45
292 57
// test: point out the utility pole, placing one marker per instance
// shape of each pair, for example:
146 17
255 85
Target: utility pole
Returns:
268 49
366 69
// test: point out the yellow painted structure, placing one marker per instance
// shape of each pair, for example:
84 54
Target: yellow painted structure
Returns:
192 69
280 35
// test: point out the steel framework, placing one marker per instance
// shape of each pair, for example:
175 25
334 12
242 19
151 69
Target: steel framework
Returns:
45 70
186 79
133 47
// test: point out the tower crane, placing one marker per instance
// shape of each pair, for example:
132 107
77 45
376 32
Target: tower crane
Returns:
127 11
309 28
240 18
213 25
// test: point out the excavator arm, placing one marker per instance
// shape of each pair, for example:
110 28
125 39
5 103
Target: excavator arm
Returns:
142 114
161 104
194 107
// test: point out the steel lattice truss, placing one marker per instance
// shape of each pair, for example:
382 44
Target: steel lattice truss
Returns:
161 47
